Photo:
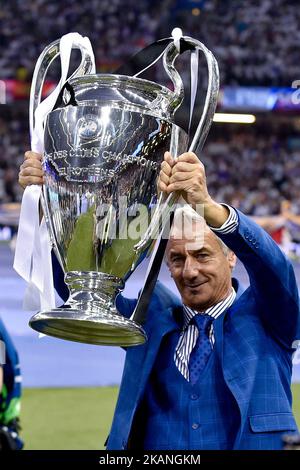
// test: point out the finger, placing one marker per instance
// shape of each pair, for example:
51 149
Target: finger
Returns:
184 166
34 155
32 172
183 176
163 177
28 180
166 168
188 157
176 186
169 159
162 186
173 187
33 163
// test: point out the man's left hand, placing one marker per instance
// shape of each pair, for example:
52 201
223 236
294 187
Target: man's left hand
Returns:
185 175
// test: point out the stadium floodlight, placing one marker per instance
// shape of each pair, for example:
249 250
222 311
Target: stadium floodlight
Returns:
234 118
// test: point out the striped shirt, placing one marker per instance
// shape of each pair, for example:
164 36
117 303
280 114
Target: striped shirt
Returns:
230 224
189 335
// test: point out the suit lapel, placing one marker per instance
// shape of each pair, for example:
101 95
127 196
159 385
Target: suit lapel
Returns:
138 365
155 330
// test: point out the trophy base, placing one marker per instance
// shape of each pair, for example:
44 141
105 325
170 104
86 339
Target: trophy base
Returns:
92 327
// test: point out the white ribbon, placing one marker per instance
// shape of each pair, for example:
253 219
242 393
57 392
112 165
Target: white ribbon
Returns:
194 82
177 35
33 249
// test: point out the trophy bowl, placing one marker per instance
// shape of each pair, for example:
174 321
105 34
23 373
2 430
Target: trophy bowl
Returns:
103 150
104 143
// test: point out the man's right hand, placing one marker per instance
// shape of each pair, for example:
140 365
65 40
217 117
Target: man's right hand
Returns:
31 170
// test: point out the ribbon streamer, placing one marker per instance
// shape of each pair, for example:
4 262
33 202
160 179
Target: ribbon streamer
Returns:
177 35
194 82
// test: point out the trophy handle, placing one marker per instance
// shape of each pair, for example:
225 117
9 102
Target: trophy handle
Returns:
49 54
170 55
211 99
165 205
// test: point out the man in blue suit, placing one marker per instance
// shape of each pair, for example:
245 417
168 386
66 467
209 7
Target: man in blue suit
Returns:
215 372
234 392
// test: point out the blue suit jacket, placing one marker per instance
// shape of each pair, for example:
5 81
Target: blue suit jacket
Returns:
253 343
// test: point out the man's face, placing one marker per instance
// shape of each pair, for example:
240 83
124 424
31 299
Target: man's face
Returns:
201 271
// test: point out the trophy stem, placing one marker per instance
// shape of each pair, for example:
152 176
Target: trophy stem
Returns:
90 315
90 290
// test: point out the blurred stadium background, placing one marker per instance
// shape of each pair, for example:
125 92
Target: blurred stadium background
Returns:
68 401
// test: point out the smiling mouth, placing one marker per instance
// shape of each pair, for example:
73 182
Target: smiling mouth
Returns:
195 286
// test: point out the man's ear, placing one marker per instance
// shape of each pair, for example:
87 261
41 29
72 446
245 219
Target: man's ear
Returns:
231 256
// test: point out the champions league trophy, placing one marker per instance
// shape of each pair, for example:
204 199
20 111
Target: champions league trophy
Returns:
104 143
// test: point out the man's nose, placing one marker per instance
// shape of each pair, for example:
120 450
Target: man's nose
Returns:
190 269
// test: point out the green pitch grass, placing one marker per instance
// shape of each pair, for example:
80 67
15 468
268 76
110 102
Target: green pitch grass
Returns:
76 418
67 418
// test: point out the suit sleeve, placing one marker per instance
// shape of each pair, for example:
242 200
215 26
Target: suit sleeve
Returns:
272 278
125 306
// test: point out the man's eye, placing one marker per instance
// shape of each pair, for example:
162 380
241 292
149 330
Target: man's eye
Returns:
176 259
202 255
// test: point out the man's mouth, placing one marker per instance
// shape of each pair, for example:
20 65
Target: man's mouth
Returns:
194 286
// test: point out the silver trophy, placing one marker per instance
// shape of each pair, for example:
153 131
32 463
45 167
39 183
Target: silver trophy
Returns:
104 145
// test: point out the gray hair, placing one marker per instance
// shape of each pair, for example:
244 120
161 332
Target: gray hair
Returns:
184 218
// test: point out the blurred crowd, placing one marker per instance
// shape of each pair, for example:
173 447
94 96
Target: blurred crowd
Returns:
254 172
14 140
116 29
257 42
